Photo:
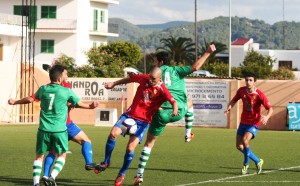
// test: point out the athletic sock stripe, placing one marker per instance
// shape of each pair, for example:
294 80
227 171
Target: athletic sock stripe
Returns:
141 166
60 163
37 167
36 174
145 154
57 168
143 159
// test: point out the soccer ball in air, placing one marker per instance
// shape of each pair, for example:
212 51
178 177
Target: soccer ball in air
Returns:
129 126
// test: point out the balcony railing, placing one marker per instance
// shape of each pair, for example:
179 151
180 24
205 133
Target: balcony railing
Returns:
59 24
10 19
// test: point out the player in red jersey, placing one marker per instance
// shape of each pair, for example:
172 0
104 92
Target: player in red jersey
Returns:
251 117
149 96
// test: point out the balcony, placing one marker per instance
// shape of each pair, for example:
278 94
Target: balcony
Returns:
10 19
56 25
112 30
106 1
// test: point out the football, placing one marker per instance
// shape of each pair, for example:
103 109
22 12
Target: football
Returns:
129 126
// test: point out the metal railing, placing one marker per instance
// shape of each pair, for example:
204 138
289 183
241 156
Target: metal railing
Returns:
56 24
10 19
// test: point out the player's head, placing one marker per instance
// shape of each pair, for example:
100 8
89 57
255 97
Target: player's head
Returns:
162 58
155 76
57 74
250 79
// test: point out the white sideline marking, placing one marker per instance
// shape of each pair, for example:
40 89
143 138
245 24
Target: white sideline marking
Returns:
234 177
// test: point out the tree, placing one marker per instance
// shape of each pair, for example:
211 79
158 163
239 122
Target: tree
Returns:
181 49
258 64
110 60
68 63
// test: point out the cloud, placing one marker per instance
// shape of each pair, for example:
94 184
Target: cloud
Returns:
158 11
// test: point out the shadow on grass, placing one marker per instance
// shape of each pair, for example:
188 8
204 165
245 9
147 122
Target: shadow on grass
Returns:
185 171
59 181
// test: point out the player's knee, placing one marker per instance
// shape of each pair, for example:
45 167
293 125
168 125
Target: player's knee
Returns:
112 136
240 147
130 148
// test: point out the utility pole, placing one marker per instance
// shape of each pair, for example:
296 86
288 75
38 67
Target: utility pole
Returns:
196 33
229 44
283 27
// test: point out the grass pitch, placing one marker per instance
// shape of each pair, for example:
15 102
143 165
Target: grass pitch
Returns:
209 159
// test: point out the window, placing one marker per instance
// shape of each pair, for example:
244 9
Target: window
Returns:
30 11
102 16
18 10
94 44
48 12
286 64
47 46
95 23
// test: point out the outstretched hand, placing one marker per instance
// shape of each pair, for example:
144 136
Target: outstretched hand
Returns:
94 104
109 85
11 101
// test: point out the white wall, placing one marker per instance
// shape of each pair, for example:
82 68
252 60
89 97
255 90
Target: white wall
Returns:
64 43
9 83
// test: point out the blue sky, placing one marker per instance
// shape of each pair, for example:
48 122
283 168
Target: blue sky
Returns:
162 11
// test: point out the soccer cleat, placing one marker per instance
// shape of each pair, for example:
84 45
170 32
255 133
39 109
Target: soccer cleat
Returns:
188 139
259 166
245 169
138 179
49 181
101 167
36 184
90 166
45 180
120 179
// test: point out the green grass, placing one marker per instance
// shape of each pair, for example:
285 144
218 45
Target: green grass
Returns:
210 156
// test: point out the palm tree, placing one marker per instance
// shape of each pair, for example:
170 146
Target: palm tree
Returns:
181 49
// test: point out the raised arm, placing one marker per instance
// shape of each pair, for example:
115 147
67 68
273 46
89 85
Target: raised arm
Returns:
25 100
197 65
93 105
110 85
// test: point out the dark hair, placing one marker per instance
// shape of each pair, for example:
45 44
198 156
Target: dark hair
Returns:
250 74
56 72
163 56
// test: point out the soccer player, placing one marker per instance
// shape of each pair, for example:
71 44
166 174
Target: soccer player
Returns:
173 77
252 99
149 96
75 134
52 132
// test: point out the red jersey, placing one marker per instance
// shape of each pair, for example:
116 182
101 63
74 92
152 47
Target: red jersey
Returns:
251 105
147 99
67 85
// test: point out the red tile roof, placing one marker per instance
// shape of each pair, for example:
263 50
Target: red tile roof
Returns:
240 41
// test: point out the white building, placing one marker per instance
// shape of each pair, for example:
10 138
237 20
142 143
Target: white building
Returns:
68 27
283 58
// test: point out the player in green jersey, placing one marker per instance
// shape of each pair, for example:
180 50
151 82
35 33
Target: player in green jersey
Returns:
52 132
173 77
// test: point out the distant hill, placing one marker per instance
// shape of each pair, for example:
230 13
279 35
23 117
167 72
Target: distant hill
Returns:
127 31
217 29
156 27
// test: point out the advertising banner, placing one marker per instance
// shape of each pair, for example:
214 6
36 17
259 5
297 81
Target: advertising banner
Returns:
294 116
210 99
92 89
